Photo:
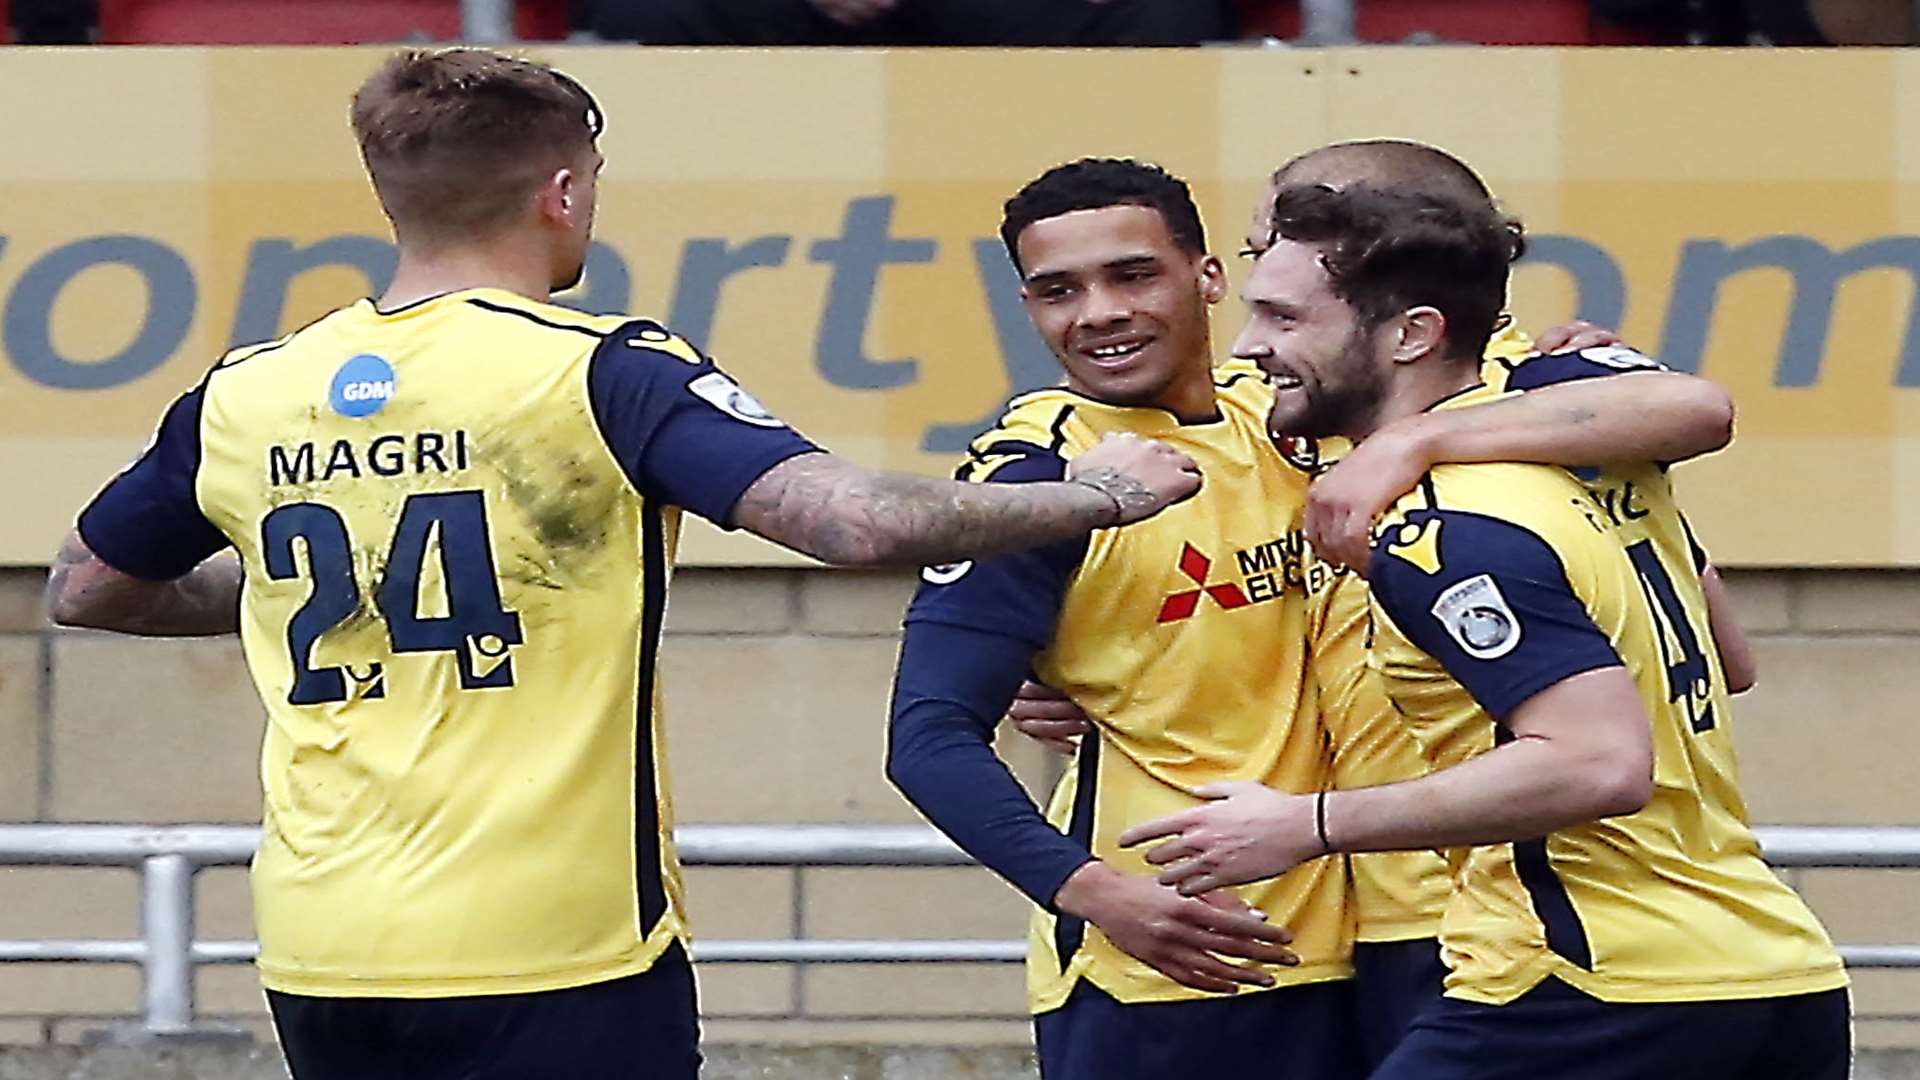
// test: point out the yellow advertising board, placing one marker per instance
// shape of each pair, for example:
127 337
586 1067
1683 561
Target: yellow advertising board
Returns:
825 224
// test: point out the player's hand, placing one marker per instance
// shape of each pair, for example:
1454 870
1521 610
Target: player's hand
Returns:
1141 476
854 12
1048 717
1181 937
1344 502
1574 336
1248 833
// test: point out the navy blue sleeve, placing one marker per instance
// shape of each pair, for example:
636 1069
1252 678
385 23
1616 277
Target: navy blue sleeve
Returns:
147 523
1537 371
952 687
972 631
1018 595
1491 601
685 433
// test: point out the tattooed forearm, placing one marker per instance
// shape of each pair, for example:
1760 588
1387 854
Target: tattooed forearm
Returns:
1132 500
839 512
83 591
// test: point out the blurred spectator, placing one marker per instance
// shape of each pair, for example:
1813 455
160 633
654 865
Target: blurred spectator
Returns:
53 22
1844 22
914 22
1768 22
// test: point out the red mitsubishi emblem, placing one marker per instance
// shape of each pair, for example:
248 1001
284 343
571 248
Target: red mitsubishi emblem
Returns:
1182 605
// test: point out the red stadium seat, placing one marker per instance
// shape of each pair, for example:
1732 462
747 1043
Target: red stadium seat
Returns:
305 22
6 24
1488 22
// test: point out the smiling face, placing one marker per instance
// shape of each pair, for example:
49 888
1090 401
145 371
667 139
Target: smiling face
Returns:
1123 306
1328 371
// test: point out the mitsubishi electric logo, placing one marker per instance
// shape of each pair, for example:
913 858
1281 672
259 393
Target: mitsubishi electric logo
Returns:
1182 605
1265 571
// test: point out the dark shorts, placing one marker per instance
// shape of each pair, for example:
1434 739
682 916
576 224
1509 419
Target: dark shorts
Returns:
641 1026
1557 1031
1293 1033
1393 983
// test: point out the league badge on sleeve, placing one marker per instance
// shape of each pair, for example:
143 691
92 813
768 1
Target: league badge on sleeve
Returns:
731 398
1478 618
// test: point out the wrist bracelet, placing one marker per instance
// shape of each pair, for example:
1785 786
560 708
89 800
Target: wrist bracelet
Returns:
1320 822
1119 509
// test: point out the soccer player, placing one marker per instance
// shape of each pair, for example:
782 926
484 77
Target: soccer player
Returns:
1185 640
456 508
1612 916
1398 897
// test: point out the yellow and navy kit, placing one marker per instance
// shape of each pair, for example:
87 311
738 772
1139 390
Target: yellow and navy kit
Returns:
1637 498
1493 582
1397 895
457 521
1182 637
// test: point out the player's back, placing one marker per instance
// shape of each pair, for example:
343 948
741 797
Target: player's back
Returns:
1670 903
452 604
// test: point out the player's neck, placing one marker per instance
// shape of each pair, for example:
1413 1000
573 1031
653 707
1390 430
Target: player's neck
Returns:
1418 387
420 276
1191 398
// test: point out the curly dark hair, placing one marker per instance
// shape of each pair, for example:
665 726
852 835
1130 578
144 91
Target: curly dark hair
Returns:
1097 183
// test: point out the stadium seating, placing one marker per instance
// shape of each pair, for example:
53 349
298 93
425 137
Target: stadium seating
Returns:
304 22
1488 22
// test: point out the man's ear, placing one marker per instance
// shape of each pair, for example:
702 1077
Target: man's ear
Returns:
1422 332
554 198
1213 279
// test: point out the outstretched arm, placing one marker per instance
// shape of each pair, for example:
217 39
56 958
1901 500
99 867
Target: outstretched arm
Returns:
82 590
840 512
688 435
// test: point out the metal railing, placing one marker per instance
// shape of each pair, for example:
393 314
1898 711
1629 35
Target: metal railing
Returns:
168 857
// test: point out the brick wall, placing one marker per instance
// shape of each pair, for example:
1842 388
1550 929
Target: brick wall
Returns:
777 684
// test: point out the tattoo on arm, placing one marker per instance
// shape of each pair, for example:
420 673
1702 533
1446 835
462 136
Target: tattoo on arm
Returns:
842 513
1132 500
84 591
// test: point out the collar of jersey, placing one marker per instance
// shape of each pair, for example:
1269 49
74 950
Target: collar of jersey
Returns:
1463 397
427 303
1147 415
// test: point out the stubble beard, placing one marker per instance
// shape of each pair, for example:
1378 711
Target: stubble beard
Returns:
1344 408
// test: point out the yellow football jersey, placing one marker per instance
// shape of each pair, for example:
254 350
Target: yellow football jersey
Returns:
1637 499
1183 639
457 524
1398 895
1492 582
